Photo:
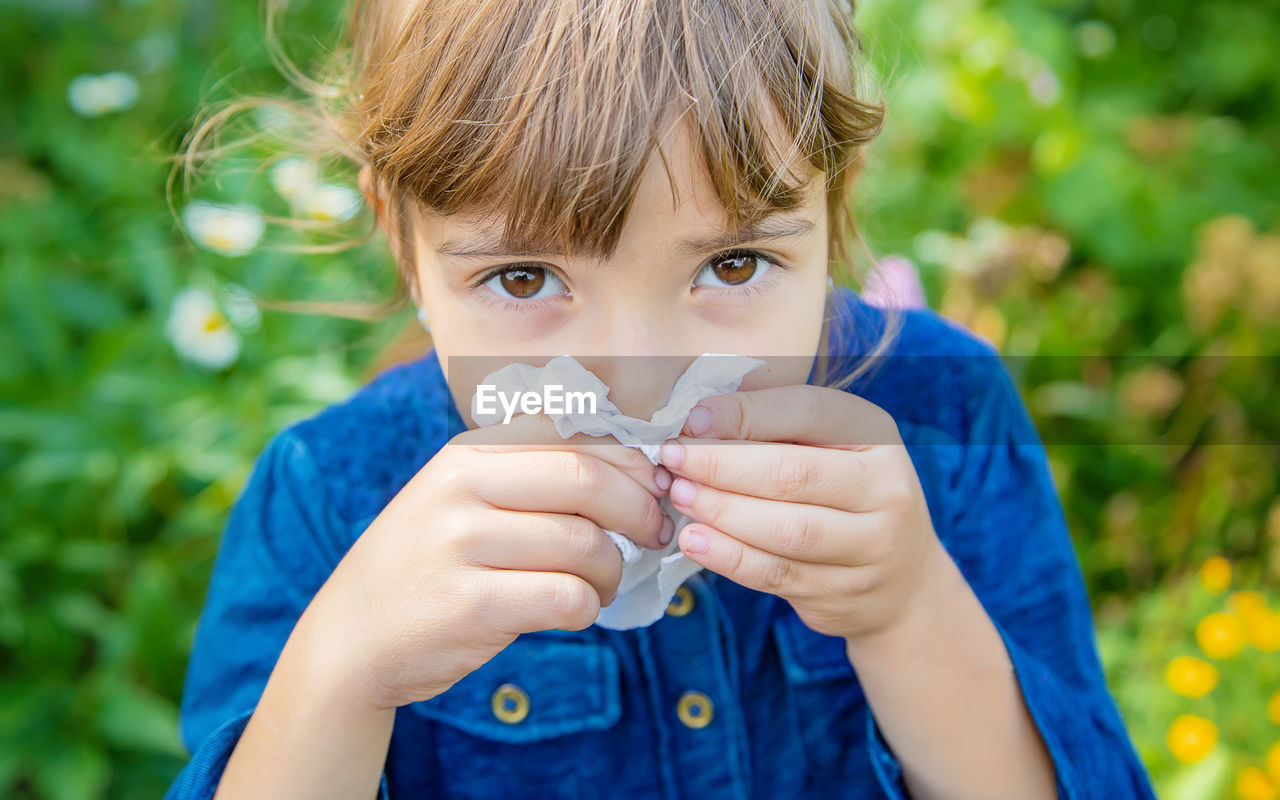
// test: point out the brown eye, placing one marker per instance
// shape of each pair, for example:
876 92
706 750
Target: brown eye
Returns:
735 270
523 282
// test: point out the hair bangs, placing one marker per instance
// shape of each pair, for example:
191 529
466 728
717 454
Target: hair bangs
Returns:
544 116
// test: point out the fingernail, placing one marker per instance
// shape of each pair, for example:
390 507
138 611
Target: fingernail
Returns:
662 477
682 492
700 419
694 540
668 528
672 454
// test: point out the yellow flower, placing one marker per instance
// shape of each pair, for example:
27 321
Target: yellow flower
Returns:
1221 635
1273 708
1191 738
1244 603
1215 574
1264 630
1253 784
1273 762
1190 676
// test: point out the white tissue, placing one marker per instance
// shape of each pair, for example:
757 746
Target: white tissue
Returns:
649 577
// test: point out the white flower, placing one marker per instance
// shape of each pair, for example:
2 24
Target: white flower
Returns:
298 181
292 176
326 201
95 95
231 230
199 332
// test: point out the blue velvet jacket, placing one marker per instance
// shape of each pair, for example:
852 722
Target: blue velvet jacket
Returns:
608 712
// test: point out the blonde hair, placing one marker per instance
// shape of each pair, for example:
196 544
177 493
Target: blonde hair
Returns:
545 114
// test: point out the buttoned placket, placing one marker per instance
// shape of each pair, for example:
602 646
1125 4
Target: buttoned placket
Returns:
692 664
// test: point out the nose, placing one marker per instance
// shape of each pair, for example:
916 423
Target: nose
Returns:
638 358
639 385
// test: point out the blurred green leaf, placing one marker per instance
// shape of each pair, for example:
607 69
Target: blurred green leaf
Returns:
76 771
133 718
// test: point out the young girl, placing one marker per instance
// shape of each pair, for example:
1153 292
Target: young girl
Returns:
403 603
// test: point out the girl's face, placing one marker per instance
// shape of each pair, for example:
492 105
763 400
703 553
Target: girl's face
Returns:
673 288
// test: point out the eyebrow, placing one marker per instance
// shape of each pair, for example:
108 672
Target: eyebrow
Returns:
489 245
768 230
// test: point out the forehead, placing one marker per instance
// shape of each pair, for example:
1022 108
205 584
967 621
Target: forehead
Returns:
679 194
675 207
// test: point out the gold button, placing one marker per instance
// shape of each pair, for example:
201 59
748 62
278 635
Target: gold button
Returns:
682 603
695 710
510 703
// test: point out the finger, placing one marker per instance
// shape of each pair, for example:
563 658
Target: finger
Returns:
796 531
537 432
523 601
793 473
544 542
755 568
570 482
802 414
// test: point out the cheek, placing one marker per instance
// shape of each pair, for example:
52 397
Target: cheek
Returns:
779 371
464 332
786 323
787 338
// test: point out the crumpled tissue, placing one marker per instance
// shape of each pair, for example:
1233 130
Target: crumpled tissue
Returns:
649 577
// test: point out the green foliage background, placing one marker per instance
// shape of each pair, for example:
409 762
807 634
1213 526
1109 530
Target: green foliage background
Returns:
1087 179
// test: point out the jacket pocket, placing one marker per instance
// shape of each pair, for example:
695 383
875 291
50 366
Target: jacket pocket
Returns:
536 688
540 720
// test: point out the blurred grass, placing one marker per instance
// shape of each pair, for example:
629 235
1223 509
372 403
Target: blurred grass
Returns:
1072 178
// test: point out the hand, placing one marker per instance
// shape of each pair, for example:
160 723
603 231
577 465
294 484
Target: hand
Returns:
487 541
808 493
